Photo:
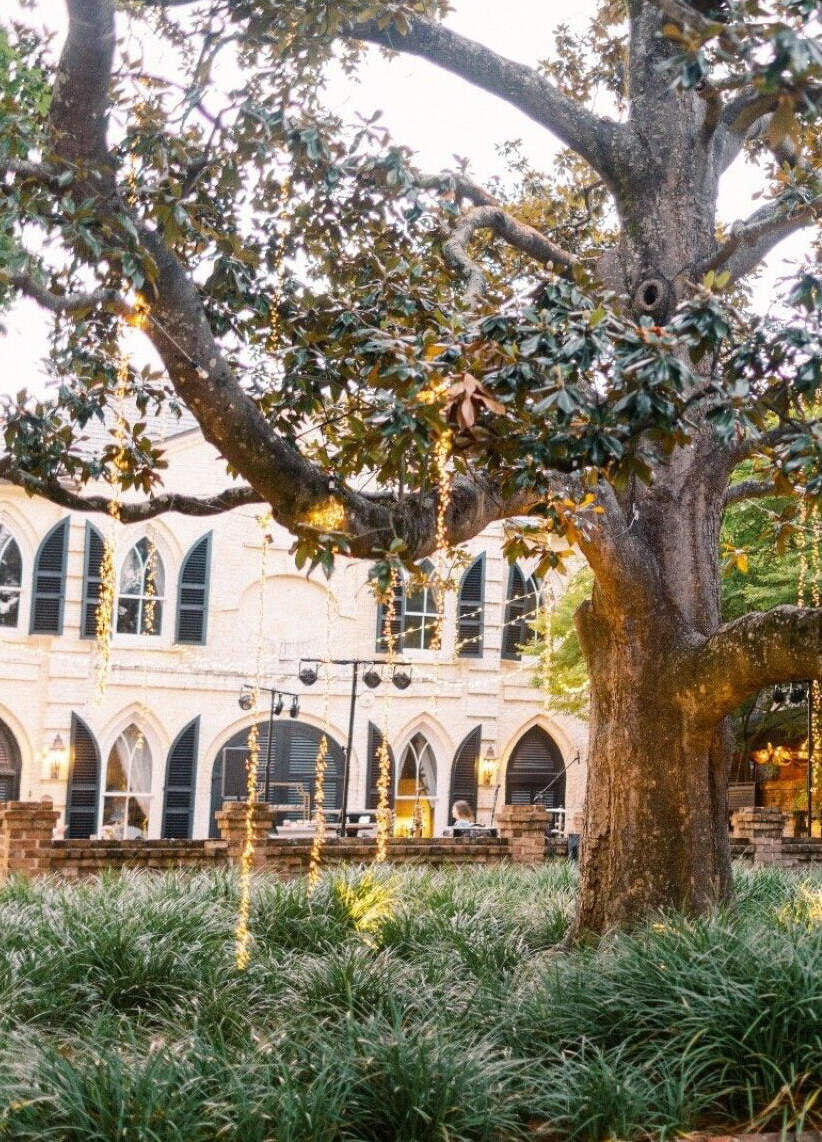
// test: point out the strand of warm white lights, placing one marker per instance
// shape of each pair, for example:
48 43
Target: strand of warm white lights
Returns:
242 935
318 840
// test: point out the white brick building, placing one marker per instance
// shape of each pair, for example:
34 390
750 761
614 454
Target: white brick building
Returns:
166 741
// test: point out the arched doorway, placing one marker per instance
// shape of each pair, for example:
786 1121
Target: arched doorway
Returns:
293 755
9 765
535 771
415 796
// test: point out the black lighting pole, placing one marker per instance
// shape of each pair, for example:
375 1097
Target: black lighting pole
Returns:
401 677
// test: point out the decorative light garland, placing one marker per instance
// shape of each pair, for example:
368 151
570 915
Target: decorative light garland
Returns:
321 764
104 615
384 750
815 690
242 933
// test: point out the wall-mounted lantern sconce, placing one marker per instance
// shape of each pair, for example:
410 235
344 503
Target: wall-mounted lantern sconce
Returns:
488 766
55 761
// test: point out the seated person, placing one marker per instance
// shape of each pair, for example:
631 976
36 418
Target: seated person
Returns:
463 815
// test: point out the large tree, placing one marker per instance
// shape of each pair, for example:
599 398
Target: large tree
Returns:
577 341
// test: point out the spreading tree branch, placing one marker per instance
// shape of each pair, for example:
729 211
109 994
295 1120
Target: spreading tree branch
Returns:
199 370
517 234
750 490
757 650
753 239
581 130
129 512
69 302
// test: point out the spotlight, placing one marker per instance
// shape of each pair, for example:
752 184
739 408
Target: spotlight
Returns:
372 677
246 699
401 679
308 675
295 707
798 693
780 695
278 705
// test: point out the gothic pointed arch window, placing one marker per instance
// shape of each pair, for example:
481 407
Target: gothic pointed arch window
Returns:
127 790
521 606
415 795
142 591
11 578
49 593
9 765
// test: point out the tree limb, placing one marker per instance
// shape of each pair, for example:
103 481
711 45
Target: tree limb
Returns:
59 493
517 234
748 116
69 302
752 239
757 650
749 490
586 133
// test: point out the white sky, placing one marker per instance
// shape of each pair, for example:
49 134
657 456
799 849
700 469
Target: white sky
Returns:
438 116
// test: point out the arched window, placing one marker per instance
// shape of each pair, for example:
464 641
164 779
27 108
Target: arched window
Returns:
416 790
9 765
470 607
535 771
521 606
142 591
416 614
127 794
11 578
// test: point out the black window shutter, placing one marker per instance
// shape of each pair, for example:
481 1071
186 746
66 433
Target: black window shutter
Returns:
397 623
92 565
49 591
465 771
192 601
181 775
470 608
372 793
536 762
84 781
512 631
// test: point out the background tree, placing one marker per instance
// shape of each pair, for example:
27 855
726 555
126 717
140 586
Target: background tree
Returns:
576 344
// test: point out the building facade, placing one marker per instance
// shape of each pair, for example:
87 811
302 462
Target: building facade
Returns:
153 744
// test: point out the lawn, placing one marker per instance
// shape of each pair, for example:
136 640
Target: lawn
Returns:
409 1006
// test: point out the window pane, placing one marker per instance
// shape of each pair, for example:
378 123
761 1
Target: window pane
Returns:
141 769
117 769
152 620
155 573
11 563
412 639
131 576
9 607
128 612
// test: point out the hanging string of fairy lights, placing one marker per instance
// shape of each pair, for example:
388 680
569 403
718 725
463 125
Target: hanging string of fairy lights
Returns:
809 588
384 750
242 932
104 615
321 764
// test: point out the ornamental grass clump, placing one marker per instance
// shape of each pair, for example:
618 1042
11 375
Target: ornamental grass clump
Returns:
410 1004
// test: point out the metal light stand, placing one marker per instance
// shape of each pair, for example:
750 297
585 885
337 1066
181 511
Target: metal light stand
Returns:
308 674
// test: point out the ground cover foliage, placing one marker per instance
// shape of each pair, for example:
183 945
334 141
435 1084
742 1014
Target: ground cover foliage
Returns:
407 1005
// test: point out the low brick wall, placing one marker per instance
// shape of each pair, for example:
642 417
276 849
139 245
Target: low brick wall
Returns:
86 858
759 834
27 847
291 857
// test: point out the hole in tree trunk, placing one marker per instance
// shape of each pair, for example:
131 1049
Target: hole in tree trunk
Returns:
651 296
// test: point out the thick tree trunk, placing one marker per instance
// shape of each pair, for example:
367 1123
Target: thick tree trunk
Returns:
656 832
